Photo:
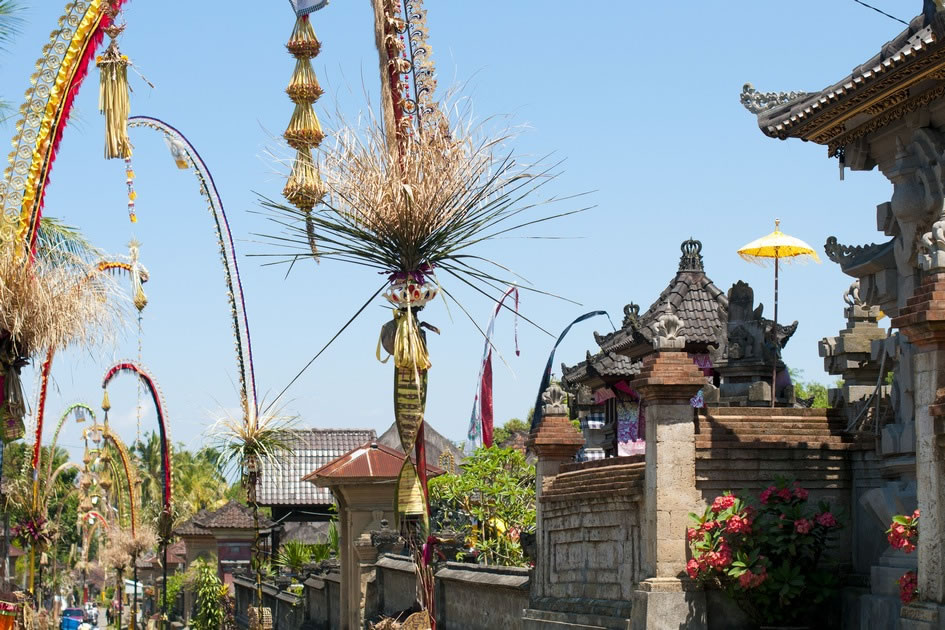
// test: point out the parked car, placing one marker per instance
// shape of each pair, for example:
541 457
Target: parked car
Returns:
72 618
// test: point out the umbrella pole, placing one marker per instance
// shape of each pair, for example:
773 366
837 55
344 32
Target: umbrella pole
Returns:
774 368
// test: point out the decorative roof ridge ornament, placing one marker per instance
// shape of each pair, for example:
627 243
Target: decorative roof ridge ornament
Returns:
844 254
759 102
691 259
667 330
933 242
631 316
852 295
554 401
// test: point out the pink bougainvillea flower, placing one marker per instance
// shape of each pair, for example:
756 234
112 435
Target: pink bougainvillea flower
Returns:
738 525
908 587
766 494
693 534
826 519
802 526
799 492
723 503
693 568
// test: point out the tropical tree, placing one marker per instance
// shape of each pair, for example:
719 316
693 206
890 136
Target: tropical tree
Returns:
492 502
246 444
507 430
209 591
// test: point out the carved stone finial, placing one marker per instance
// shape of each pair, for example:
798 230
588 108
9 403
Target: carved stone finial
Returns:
554 400
631 315
667 330
757 102
691 259
852 295
933 242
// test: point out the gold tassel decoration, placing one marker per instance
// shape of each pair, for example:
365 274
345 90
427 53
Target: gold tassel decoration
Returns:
303 86
304 187
113 99
106 404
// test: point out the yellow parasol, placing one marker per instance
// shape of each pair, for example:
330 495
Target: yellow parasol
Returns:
776 246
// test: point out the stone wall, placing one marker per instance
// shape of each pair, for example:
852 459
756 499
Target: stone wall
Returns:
744 448
468 596
592 558
316 609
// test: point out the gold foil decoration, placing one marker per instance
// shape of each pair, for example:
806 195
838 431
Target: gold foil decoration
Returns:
304 187
113 99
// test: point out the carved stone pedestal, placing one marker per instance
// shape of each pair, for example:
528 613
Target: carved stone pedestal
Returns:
668 604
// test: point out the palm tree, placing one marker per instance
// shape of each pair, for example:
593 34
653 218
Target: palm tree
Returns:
246 445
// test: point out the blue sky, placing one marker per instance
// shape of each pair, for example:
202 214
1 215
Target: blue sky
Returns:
641 99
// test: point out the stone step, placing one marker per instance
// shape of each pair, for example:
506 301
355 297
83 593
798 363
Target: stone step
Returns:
776 443
750 436
630 492
534 619
755 428
614 486
778 412
722 485
600 472
790 455
799 475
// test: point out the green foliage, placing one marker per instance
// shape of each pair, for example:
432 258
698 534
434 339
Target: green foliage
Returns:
209 593
492 502
175 586
507 430
334 542
294 555
809 389
767 554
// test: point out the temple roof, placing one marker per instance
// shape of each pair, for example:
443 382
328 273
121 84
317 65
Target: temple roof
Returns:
369 462
233 515
691 296
282 484
603 364
905 74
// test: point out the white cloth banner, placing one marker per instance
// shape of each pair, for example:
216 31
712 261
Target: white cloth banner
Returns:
304 7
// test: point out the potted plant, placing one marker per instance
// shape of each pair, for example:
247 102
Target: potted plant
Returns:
766 555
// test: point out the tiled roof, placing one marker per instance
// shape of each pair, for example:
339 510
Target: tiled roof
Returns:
231 516
312 449
807 115
603 364
369 461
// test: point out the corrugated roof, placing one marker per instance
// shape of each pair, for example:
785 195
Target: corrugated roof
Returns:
369 461
312 449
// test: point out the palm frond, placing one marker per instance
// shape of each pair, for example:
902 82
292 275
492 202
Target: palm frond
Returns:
60 243
452 187
259 440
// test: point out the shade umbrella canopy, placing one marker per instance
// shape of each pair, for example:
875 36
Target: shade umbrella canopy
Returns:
776 245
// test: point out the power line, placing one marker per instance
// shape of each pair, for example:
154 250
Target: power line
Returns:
891 17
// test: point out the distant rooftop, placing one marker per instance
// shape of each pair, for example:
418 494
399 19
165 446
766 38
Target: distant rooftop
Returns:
370 461
233 515
312 449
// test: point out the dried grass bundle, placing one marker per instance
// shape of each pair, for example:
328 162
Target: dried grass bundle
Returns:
453 187
48 305
115 555
144 539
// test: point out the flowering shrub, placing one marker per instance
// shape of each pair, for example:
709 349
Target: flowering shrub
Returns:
903 533
765 555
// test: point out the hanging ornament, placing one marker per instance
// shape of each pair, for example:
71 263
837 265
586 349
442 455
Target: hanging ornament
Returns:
132 194
113 99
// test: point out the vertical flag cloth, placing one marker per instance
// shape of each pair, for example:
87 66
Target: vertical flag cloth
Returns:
481 421
546 376
304 7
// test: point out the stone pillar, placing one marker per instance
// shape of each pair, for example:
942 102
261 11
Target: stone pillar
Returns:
667 598
555 442
922 320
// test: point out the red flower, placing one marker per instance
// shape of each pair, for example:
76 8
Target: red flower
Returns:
723 503
766 494
908 587
915 514
738 525
708 526
826 519
784 494
799 492
693 568
744 580
693 534
802 526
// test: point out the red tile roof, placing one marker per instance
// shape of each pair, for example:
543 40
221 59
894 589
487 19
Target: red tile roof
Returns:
371 461
231 516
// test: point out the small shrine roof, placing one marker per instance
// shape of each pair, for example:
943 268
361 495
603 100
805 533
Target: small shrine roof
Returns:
691 296
603 364
233 515
837 114
371 461
281 483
